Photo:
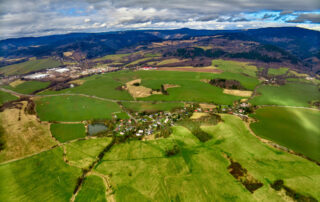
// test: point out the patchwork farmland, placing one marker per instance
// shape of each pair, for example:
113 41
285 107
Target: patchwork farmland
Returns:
169 134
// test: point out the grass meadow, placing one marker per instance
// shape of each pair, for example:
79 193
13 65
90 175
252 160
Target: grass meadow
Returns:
43 177
83 152
297 129
290 94
67 132
74 108
193 88
141 170
6 97
92 189
236 67
28 87
29 66
276 72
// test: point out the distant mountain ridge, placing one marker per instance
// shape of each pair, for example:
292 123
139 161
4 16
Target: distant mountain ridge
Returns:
300 43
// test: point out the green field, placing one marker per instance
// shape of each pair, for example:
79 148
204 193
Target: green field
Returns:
290 94
74 108
29 66
297 129
190 90
151 107
276 72
6 97
82 153
192 87
236 67
104 86
43 177
66 132
28 87
263 162
114 57
92 189
141 171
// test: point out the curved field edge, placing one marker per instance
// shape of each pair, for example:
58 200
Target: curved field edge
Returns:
297 129
44 176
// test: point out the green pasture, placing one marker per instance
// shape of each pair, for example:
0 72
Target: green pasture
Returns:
66 132
42 177
193 88
113 57
236 67
297 129
28 87
74 108
190 90
277 72
141 171
290 94
151 107
29 66
262 161
6 97
83 152
104 86
92 189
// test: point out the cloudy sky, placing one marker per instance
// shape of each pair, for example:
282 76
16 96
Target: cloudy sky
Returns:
44 17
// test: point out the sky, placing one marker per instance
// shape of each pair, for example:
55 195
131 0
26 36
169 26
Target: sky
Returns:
22 18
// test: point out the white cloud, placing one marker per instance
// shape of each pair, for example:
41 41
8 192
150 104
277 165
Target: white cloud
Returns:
42 17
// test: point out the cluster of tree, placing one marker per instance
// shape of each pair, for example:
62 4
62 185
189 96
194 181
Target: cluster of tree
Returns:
165 131
224 83
256 54
195 129
172 151
279 184
196 52
2 139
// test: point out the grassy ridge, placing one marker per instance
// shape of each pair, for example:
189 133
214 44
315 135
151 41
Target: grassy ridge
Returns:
42 177
290 94
29 66
6 97
297 129
66 132
74 108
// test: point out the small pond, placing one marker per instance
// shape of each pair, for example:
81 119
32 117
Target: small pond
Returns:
96 128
